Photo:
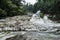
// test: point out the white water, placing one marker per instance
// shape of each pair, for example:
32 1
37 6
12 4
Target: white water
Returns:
43 22
40 22
4 36
36 18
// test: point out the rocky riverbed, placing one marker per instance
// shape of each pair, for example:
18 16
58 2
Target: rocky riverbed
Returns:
16 22
35 36
20 28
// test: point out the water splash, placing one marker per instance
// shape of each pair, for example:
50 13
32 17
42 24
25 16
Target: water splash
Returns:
43 22
36 18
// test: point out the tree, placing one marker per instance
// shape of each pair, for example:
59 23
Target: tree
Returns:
51 7
11 7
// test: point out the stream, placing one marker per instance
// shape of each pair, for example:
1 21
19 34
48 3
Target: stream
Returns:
36 28
30 35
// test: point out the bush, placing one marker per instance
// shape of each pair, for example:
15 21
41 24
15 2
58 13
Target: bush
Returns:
3 13
11 8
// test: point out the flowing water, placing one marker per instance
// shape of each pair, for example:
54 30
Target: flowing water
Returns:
47 29
44 22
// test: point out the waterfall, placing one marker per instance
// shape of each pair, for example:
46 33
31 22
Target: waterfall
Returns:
43 22
36 18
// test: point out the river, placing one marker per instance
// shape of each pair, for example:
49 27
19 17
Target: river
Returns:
36 28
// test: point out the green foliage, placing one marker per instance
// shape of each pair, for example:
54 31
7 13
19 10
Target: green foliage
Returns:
3 12
11 8
28 7
41 15
51 7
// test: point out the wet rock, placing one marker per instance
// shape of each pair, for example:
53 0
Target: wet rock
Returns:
18 37
35 36
19 22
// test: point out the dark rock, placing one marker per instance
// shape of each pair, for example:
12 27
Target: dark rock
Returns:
17 37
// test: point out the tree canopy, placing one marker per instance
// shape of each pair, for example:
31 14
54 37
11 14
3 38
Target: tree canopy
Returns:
15 7
51 7
11 8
